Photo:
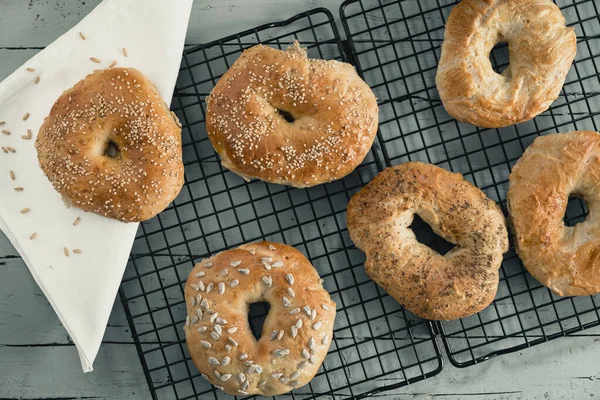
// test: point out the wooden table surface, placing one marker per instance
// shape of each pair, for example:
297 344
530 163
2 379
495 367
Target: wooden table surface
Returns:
39 361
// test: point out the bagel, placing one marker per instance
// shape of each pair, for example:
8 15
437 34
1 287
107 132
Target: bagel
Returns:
297 331
541 50
113 110
566 259
432 286
283 118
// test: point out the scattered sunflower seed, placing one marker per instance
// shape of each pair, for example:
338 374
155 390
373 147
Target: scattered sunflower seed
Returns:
25 210
125 52
18 189
77 251
235 263
66 251
96 60
33 236
81 35
76 222
25 116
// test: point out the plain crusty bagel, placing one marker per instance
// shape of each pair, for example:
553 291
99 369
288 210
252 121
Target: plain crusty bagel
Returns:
283 118
541 50
432 286
566 259
113 110
296 333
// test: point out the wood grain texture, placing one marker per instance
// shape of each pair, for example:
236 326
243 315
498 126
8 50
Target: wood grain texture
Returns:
37 358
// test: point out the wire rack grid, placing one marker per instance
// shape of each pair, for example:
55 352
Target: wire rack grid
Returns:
396 46
377 346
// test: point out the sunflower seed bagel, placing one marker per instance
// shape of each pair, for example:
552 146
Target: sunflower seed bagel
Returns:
541 49
296 333
433 286
566 259
118 107
284 118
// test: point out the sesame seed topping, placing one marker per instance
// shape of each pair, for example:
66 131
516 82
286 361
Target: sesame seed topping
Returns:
200 274
234 283
187 321
294 383
276 375
313 314
209 287
243 356
280 334
291 292
266 259
272 248
202 329
262 383
325 340
244 271
213 317
233 329
226 360
325 307
311 343
218 387
242 392
205 344
295 375
232 341
235 263
209 264
302 364
294 331
215 335
221 287
306 310
299 323
278 264
274 335
241 377
218 329
294 311
305 354
286 302
195 319
317 325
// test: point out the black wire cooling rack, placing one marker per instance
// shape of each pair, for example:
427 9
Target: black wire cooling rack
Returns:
377 346
396 47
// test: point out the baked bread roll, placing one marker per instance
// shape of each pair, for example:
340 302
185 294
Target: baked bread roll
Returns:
283 118
541 50
296 333
553 168
432 286
113 110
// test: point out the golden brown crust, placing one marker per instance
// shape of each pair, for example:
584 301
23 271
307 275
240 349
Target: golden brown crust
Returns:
335 116
296 333
566 259
430 285
541 50
116 105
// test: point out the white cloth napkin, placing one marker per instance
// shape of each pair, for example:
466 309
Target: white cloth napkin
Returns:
81 287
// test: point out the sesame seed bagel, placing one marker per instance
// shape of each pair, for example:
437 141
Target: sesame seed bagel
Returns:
283 118
118 110
541 50
431 285
554 167
296 333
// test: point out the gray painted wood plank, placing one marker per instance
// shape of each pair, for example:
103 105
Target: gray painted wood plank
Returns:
43 372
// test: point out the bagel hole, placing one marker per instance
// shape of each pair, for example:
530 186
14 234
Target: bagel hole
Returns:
286 115
425 235
257 314
577 210
111 150
499 57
